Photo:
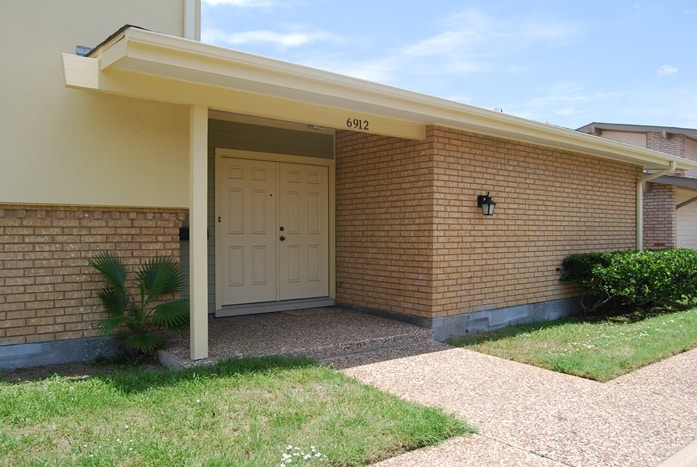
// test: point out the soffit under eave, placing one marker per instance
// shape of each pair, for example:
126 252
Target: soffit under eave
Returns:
83 72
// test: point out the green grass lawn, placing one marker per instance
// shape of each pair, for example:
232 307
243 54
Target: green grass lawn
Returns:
596 349
244 412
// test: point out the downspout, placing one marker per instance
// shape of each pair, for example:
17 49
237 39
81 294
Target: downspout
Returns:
640 201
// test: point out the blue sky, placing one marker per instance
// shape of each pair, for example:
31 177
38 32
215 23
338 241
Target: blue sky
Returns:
556 61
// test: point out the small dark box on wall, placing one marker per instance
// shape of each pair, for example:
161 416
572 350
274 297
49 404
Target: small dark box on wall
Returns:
184 234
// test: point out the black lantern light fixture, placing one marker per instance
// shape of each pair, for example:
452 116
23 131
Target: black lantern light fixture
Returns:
487 204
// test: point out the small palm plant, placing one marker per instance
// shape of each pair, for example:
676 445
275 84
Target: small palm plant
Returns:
140 319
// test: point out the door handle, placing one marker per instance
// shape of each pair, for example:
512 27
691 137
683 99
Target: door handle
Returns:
282 238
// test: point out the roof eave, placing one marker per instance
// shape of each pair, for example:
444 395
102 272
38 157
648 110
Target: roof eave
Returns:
173 58
593 127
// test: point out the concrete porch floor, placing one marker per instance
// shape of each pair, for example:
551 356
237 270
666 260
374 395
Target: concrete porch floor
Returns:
335 336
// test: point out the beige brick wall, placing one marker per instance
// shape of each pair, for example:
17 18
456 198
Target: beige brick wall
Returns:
411 239
384 223
48 291
549 204
660 216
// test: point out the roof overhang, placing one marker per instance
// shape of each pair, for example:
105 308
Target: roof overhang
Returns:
597 127
679 182
148 65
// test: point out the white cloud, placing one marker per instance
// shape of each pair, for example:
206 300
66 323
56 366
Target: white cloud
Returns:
473 41
566 101
283 40
242 3
474 32
665 70
381 70
563 93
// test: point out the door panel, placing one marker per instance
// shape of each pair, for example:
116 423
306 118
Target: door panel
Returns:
304 218
245 231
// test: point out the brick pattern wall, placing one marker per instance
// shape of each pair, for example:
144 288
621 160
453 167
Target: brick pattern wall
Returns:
411 239
549 204
660 216
673 144
384 223
47 289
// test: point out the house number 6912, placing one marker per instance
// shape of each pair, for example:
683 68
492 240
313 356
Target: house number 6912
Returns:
358 124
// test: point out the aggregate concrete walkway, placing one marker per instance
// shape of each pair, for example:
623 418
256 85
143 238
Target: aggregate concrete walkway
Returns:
525 415
533 417
332 335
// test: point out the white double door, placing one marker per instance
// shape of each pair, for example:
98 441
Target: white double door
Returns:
272 231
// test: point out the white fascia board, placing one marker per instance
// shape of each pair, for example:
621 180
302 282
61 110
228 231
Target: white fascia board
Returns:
169 57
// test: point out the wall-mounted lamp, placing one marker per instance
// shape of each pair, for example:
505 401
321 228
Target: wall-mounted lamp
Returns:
487 204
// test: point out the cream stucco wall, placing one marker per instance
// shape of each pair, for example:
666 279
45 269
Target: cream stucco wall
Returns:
690 151
67 146
637 139
687 219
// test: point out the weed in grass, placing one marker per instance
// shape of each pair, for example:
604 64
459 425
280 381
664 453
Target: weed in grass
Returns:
595 349
296 456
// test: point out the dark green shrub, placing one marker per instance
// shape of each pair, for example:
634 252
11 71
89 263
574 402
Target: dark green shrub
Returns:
579 266
638 279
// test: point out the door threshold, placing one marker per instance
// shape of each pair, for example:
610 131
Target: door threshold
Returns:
270 307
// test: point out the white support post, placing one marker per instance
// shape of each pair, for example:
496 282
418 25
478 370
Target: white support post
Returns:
640 215
198 238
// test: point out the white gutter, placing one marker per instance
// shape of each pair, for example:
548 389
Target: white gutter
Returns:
640 201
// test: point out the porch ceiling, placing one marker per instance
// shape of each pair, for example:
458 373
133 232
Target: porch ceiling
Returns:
153 66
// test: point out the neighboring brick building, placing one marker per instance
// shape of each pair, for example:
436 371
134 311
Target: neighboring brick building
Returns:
670 210
293 187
